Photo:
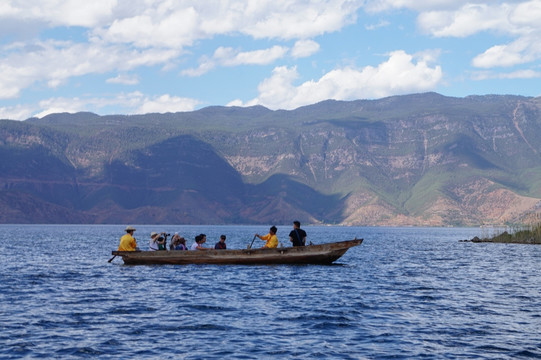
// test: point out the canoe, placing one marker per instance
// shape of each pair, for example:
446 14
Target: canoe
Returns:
311 254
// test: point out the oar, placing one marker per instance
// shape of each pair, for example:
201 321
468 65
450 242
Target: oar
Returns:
111 259
249 247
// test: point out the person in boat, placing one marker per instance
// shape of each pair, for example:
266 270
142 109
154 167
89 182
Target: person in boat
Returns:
127 241
157 241
178 242
271 238
174 240
199 241
153 244
220 245
181 244
162 241
297 236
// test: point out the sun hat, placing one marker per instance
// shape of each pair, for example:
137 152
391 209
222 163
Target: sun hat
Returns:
130 228
154 233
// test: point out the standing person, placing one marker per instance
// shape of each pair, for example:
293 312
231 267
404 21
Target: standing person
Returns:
221 244
297 236
199 241
271 238
127 241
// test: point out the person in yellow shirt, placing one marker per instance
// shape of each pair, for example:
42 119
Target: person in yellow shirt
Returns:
127 242
271 238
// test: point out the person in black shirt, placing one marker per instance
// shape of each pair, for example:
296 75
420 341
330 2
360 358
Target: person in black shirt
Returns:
220 244
297 236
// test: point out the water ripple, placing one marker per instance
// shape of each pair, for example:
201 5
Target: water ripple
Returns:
405 293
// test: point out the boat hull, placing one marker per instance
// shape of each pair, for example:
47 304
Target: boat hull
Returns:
313 254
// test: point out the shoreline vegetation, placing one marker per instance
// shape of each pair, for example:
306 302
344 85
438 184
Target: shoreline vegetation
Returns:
522 235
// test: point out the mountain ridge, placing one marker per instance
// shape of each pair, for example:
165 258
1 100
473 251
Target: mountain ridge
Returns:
420 159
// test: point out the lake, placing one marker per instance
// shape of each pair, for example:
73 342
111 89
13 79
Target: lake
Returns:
404 293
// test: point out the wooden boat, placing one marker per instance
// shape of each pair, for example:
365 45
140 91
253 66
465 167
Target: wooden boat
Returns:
311 254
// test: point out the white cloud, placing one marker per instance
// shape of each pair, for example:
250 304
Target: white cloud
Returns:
519 74
166 103
124 79
206 64
527 14
523 50
400 74
519 19
278 91
114 37
179 24
226 56
170 28
61 105
17 112
290 19
304 48
157 23
381 24
373 6
468 20
59 12
143 33
236 102
132 103
54 62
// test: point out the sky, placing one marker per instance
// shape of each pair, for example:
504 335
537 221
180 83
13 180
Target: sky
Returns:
157 56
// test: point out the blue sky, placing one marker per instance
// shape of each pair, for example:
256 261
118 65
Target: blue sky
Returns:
142 56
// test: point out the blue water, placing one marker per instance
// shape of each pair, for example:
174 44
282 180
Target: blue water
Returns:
404 293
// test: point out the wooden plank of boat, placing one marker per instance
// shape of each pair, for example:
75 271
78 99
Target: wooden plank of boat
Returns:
312 254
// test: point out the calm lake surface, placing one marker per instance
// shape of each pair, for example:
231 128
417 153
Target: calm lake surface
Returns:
404 293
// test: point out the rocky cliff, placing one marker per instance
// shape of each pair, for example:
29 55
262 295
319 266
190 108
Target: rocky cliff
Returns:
421 159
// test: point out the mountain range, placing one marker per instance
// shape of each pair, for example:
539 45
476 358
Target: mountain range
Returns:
420 159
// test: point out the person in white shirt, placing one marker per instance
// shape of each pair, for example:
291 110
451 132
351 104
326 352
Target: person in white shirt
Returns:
153 241
199 241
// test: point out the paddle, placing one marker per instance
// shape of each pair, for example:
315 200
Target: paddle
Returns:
111 259
249 247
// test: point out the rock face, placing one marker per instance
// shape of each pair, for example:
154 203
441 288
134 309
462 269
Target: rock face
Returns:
421 159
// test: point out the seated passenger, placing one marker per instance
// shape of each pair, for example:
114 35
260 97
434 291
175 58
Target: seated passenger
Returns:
271 238
199 241
297 236
174 240
178 244
220 244
127 242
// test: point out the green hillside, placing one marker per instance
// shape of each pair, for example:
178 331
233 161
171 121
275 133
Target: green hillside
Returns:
421 159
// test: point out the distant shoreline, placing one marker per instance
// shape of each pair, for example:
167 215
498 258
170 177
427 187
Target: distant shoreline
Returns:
506 238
